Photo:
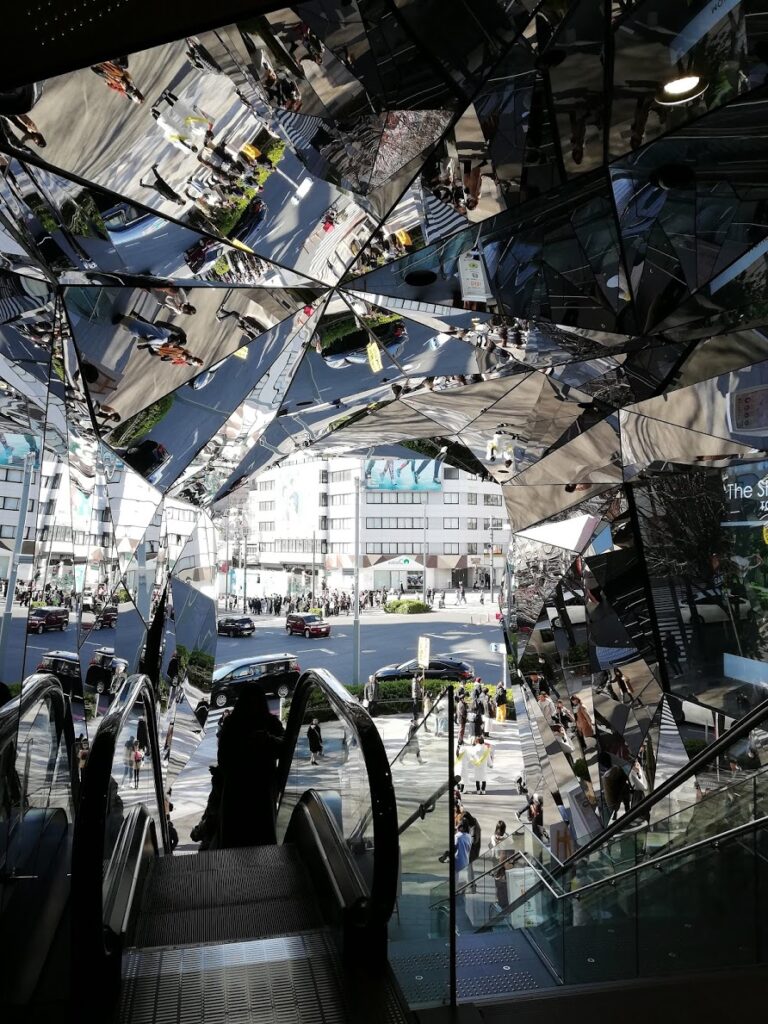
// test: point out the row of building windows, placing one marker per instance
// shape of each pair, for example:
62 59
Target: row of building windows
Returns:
13 504
267 506
392 548
395 498
393 523
266 485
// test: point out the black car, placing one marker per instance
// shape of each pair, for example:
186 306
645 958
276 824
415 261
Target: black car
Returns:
253 216
276 674
102 668
439 668
235 626
41 619
65 665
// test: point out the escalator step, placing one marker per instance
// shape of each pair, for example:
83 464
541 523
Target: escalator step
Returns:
223 923
225 895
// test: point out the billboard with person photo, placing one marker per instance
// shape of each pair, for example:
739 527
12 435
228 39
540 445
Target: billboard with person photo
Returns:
417 474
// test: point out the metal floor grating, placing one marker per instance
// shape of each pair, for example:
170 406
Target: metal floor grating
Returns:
296 979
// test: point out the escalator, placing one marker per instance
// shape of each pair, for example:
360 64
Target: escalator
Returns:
292 931
38 794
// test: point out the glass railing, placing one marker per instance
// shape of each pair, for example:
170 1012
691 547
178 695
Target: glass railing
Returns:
332 746
687 910
421 937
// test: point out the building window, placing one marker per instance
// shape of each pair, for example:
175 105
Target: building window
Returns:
450 549
10 504
450 524
340 476
267 527
451 497
471 524
323 499
472 498
491 499
340 524
266 506
323 476
266 485
322 523
450 473
472 547
341 499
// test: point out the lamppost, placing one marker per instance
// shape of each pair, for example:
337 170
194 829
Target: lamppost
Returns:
356 621
424 551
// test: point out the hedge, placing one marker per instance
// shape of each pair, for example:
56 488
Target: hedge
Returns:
407 607
394 698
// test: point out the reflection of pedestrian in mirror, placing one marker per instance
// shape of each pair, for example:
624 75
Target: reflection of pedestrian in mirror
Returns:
138 757
315 738
672 651
161 186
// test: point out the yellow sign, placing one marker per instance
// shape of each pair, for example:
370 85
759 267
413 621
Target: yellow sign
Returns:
765 534
403 237
374 357
422 653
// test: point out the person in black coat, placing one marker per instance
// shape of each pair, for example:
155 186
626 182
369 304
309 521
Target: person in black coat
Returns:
249 746
315 737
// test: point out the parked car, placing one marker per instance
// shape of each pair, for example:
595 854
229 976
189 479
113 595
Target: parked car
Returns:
41 619
276 674
65 665
101 669
239 625
708 608
308 625
446 668
107 617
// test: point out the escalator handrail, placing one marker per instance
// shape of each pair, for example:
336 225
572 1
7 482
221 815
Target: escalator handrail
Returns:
35 689
91 819
383 892
741 728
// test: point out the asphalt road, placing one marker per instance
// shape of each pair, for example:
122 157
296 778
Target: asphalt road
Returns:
384 639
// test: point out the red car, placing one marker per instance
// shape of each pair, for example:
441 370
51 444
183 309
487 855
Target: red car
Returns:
308 625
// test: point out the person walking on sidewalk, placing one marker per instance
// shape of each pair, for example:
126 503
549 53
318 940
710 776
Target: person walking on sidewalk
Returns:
315 737
161 186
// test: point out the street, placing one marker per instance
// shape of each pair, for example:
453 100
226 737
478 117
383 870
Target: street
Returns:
384 640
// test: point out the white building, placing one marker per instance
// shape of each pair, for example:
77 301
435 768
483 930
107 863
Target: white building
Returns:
307 505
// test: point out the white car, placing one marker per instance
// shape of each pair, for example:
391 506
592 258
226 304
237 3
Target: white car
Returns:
707 609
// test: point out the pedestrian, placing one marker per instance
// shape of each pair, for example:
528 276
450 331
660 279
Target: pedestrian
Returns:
584 726
138 757
168 743
128 762
501 702
536 816
638 783
315 737
161 186
142 735
249 746
462 715
412 743
426 707
481 757
624 685
547 707
417 695
672 651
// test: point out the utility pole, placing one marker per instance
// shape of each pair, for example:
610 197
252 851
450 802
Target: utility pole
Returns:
30 463
244 531
424 551
491 580
313 568
356 622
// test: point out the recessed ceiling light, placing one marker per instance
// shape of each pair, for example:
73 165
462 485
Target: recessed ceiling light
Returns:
681 90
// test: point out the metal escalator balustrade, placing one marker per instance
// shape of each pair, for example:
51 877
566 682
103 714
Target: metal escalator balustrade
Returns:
38 792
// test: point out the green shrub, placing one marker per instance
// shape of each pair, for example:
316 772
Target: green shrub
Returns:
694 747
394 698
407 606
274 151
580 769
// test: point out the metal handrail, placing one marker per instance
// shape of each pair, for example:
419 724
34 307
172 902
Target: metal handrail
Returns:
383 889
91 820
741 728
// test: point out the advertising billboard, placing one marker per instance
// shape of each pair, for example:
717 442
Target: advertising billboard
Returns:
402 475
